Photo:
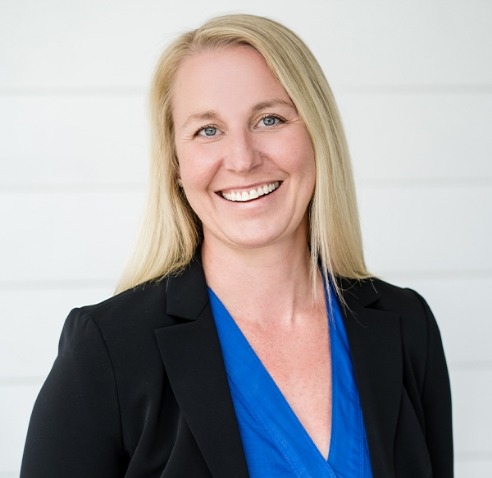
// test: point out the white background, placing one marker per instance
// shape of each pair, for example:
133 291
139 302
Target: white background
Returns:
414 84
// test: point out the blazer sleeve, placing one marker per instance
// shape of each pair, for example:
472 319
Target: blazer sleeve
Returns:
75 426
436 401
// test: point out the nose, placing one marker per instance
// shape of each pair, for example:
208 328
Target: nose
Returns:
242 154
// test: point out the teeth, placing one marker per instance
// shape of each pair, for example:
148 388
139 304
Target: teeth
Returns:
253 194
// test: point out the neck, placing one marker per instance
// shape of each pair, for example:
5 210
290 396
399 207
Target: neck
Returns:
264 284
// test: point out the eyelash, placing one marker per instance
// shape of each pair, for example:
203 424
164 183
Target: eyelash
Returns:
203 128
274 116
263 117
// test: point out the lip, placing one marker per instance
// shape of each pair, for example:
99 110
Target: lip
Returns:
250 192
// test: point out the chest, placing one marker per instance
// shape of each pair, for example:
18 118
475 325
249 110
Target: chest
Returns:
299 362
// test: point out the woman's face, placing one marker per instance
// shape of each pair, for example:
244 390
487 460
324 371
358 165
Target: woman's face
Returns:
245 158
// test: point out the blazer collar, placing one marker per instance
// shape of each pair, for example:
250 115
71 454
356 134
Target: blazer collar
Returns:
193 360
375 346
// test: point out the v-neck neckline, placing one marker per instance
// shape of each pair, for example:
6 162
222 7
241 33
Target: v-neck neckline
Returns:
274 403
256 395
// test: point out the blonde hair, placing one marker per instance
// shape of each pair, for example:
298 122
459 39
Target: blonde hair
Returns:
171 231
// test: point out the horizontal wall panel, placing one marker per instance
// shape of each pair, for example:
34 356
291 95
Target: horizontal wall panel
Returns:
407 137
459 304
52 140
67 236
77 44
16 404
479 468
427 228
34 319
63 236
401 42
472 396
70 141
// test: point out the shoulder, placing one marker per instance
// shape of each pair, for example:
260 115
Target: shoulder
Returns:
372 300
376 294
126 324
144 304
122 326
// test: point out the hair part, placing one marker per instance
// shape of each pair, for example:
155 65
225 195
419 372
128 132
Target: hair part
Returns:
171 231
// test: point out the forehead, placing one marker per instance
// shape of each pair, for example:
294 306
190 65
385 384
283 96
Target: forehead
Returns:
231 76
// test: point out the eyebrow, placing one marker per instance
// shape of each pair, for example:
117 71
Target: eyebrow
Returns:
211 115
269 104
203 116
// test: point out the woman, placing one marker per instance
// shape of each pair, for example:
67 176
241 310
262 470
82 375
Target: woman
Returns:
248 338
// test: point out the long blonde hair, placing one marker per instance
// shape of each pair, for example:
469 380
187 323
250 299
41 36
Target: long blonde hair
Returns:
171 231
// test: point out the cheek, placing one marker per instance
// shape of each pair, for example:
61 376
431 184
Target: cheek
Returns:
189 164
299 156
305 166
195 170
306 152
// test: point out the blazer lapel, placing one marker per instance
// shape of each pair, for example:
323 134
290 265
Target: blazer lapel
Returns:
193 360
375 347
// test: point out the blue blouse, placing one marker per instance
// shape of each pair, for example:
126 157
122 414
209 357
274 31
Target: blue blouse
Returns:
275 442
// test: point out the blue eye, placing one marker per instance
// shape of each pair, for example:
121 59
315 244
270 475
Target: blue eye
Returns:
270 120
208 131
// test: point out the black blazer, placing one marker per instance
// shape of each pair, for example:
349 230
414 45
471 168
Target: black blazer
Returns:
139 388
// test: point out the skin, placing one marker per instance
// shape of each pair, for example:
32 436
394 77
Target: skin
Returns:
236 131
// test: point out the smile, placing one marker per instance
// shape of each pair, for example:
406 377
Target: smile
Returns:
244 196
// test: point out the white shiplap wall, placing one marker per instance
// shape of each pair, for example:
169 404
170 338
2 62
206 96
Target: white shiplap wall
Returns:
414 84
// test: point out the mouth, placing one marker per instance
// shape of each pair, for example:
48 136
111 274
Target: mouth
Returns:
252 194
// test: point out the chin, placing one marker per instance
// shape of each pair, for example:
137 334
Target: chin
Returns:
257 234
258 241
